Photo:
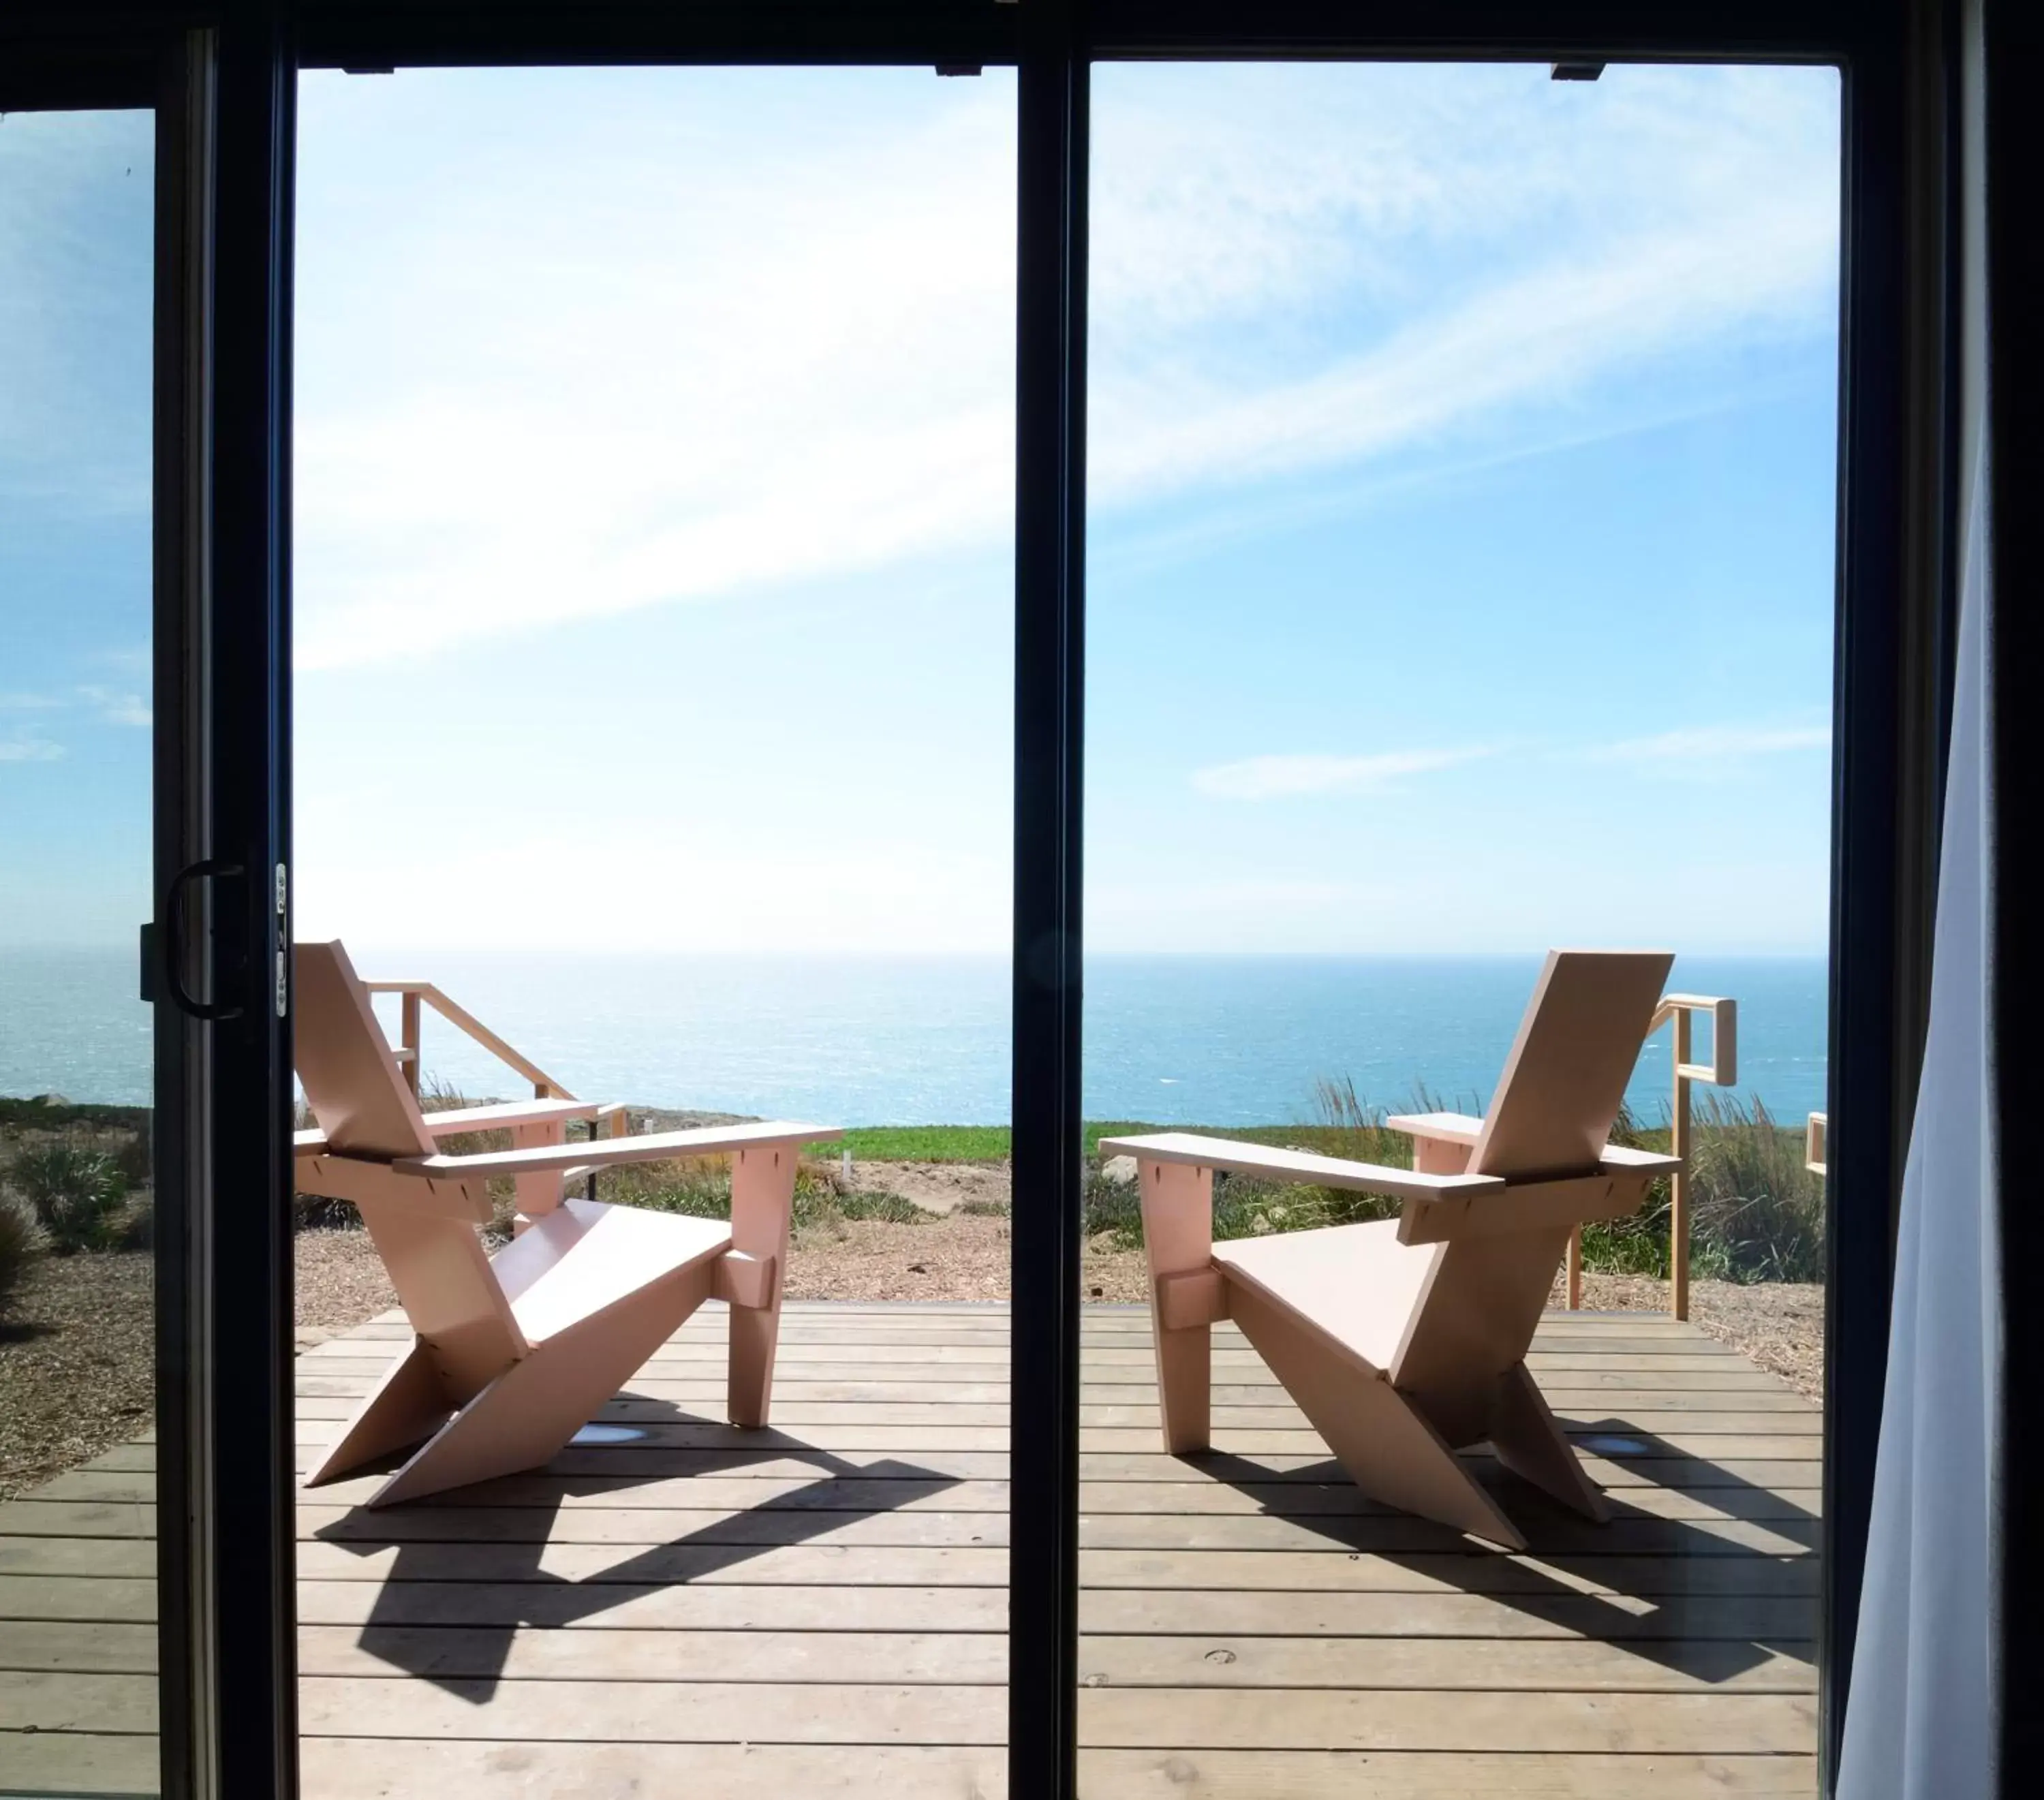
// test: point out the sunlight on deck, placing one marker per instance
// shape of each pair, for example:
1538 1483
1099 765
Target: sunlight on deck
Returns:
820 1608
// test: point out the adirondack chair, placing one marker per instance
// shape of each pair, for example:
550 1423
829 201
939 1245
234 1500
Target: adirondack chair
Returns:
513 1353
1404 1339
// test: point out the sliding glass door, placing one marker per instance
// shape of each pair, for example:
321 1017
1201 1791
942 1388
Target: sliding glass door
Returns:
79 1237
1423 401
143 896
1245 623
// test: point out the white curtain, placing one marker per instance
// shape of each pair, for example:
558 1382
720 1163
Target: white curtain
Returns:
1920 1720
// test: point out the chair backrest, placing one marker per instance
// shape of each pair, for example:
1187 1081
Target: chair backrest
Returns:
1551 1115
344 1063
1565 1077
435 1261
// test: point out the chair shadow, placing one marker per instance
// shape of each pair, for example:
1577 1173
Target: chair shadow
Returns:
409 1626
1714 1628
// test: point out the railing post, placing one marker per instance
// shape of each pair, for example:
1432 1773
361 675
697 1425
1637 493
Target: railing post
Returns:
1678 1183
1576 1269
407 1008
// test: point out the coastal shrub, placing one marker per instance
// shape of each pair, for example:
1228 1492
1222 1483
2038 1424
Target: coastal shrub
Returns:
131 1154
1756 1213
1755 1206
77 1194
20 1241
137 1230
1638 1244
702 1189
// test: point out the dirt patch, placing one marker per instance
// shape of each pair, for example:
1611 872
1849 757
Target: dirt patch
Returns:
77 1359
936 1187
950 1259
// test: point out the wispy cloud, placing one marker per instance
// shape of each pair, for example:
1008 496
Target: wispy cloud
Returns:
114 706
117 706
1277 778
571 381
30 750
1704 747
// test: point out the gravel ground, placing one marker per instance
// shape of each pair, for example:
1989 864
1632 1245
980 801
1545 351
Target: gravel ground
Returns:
77 1363
340 1280
1779 1325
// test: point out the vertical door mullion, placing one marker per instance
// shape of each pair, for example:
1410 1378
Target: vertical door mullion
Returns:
245 1429
1049 678
184 123
1879 947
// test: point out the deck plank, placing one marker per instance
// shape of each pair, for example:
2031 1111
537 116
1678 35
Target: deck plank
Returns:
821 1607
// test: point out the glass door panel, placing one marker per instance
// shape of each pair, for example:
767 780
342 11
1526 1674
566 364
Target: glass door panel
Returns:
78 1251
1460 574
654 620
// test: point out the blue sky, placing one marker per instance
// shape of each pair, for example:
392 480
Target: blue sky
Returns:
75 211
1462 458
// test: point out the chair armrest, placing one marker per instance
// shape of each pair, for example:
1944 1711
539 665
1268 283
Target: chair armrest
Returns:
499 1118
1450 1127
1298 1165
606 1153
1617 1160
503 1116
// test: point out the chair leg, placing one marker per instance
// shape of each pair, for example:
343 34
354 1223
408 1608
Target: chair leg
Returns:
1529 1443
1377 1434
406 1405
763 1205
531 1411
1177 1239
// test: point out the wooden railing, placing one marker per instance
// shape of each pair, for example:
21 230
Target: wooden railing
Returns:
611 1120
414 996
1721 1071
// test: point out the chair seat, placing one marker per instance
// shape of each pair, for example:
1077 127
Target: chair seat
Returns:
1355 1283
585 1255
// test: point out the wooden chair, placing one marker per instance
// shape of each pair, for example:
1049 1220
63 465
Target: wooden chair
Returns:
513 1353
1403 1340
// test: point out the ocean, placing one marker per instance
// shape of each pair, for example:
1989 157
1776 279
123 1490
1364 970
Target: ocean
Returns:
1170 1040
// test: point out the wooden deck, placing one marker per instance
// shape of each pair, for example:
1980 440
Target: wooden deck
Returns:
819 1609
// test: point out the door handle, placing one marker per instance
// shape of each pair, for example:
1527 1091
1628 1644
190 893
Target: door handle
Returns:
173 940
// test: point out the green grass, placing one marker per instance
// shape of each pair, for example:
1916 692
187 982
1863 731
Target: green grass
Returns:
919 1143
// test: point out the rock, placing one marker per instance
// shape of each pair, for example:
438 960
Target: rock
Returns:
1120 1170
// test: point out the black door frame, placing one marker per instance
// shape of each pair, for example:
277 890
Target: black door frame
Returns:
219 84
223 76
